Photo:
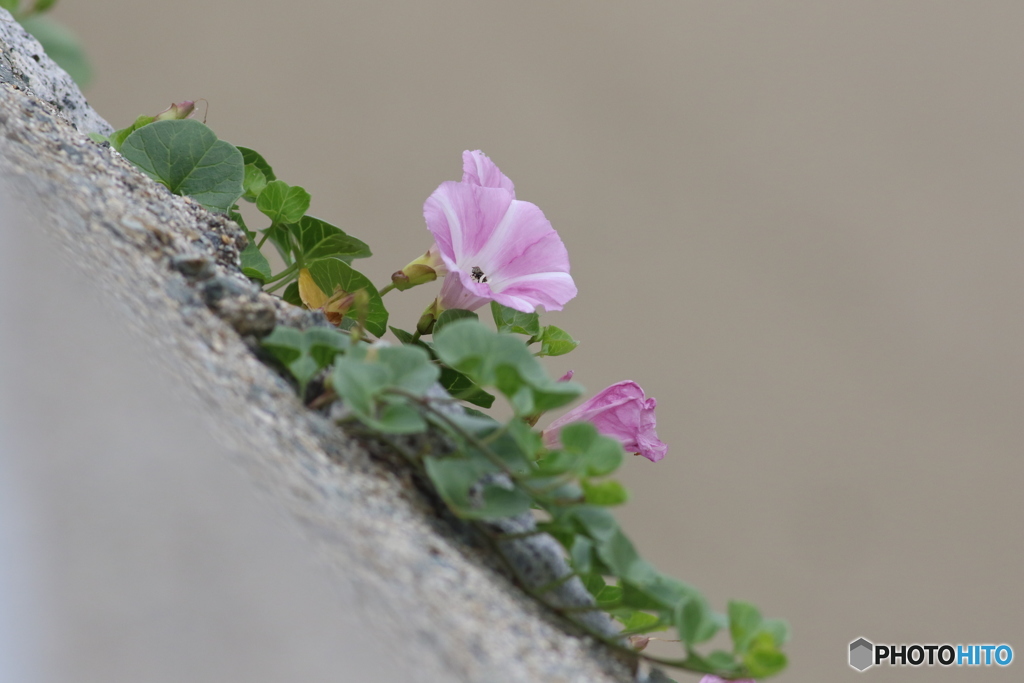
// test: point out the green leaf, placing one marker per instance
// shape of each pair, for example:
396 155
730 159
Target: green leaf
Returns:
451 315
10 5
744 622
400 418
253 182
118 137
694 620
251 156
188 158
283 203
722 660
409 368
556 342
640 622
42 6
498 360
529 440
597 523
280 237
609 596
763 657
657 592
319 239
254 263
359 384
462 387
600 455
510 320
305 353
62 46
291 294
594 583
582 554
503 444
777 628
458 482
362 377
329 274
403 336
606 493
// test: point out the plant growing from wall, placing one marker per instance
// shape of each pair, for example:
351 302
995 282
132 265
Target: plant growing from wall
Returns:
424 395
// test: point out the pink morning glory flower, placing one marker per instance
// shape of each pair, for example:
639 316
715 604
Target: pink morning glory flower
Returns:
711 678
622 412
495 247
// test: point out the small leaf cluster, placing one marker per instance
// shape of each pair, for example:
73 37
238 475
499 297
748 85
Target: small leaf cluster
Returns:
502 469
187 157
489 469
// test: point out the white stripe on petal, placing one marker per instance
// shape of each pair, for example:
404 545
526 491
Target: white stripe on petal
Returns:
496 243
502 285
454 224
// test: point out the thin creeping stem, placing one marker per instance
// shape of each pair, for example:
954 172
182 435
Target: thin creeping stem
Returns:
494 539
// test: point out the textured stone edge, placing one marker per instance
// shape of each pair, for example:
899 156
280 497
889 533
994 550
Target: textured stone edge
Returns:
24 65
455 617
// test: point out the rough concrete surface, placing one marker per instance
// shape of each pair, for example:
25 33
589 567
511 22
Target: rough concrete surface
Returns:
152 561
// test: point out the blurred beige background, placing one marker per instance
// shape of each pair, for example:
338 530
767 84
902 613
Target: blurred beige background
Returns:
796 224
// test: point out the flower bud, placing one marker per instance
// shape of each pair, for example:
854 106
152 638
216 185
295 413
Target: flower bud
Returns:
426 268
334 306
639 642
429 317
412 275
338 304
181 110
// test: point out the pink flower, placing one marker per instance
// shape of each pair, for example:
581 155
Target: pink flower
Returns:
622 412
495 247
711 678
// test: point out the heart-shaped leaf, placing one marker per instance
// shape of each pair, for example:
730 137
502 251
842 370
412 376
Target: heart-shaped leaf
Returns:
187 157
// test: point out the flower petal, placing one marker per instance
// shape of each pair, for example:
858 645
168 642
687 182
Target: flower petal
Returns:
477 169
463 218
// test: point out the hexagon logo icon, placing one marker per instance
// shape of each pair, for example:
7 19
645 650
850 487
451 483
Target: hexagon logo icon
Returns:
861 654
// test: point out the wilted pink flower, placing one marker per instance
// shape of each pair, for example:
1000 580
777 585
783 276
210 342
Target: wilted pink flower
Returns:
622 412
711 678
496 248
567 376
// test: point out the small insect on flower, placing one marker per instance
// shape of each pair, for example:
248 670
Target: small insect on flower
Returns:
478 275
